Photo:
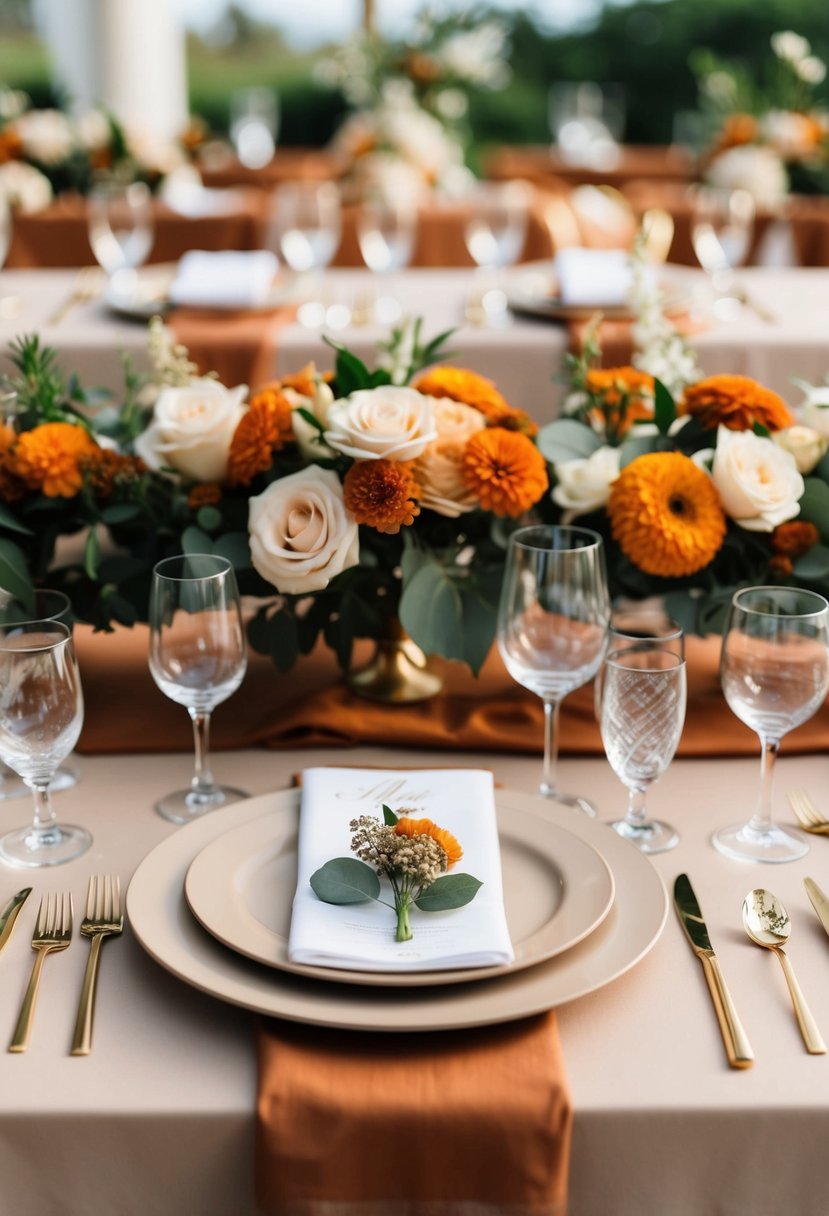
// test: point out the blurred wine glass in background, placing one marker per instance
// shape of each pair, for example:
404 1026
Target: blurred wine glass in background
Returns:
722 224
305 227
254 125
386 230
494 233
587 122
121 226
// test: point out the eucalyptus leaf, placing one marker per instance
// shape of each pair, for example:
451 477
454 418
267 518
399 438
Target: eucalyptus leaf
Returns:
193 540
641 445
235 547
814 564
120 513
92 554
7 520
345 880
209 519
565 439
451 891
14 574
814 505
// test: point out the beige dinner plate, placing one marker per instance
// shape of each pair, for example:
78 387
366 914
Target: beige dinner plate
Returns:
557 889
165 927
142 294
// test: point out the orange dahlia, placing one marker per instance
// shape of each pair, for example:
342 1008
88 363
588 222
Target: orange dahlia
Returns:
666 515
206 494
736 402
263 429
381 493
48 458
794 538
504 470
468 387
406 826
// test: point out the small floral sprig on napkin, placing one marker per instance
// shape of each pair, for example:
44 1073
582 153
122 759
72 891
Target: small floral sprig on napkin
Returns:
413 854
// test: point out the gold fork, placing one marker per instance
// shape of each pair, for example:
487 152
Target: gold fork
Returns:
808 815
88 285
53 932
103 918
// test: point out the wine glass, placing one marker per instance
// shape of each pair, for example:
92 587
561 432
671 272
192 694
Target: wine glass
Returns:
774 671
552 624
305 226
637 627
643 712
254 122
386 227
41 714
121 227
494 235
722 223
48 605
197 658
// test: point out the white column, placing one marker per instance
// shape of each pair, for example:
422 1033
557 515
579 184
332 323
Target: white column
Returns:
127 56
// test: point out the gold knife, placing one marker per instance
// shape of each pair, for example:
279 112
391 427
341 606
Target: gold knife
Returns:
737 1046
819 901
9 914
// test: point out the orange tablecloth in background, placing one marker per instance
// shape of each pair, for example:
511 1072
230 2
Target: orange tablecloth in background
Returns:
544 166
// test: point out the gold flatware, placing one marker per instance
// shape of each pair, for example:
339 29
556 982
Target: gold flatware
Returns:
88 284
737 1046
767 923
9 914
103 918
808 816
819 901
53 932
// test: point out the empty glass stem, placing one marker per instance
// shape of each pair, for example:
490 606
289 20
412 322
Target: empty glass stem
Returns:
761 819
549 781
203 783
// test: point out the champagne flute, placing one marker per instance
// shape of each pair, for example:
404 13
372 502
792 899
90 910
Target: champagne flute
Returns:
386 227
774 671
197 658
305 225
643 712
121 227
41 714
552 624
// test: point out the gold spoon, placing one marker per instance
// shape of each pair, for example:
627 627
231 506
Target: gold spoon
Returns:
767 923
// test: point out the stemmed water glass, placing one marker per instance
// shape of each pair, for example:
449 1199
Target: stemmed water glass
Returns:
254 123
774 670
121 227
197 658
305 225
386 227
552 624
644 693
721 228
635 628
41 714
494 235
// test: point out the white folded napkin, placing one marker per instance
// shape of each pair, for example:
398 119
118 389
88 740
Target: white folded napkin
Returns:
360 937
227 279
594 276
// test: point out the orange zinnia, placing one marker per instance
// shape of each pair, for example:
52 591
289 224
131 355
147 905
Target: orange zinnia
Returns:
666 515
736 402
12 489
425 827
49 457
794 538
468 387
381 493
263 429
504 470
616 383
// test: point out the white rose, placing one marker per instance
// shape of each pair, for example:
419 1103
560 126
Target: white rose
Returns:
789 133
439 474
454 420
192 429
758 482
24 187
307 436
45 135
301 534
814 411
806 444
749 167
387 423
584 485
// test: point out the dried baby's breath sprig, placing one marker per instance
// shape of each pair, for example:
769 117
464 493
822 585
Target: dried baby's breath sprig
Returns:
170 359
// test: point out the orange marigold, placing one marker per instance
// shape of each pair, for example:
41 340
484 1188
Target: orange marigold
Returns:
504 470
406 826
207 494
263 429
12 489
736 402
381 493
103 469
666 515
794 538
468 387
48 458
615 384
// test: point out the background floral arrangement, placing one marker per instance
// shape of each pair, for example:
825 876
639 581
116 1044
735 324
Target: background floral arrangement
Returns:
346 502
45 152
769 134
410 100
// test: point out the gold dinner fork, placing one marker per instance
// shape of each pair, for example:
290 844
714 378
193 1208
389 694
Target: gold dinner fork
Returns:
103 918
808 815
53 932
88 284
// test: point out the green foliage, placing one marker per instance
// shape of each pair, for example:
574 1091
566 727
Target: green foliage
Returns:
450 891
345 880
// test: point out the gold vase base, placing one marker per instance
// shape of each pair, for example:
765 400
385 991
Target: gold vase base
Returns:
398 674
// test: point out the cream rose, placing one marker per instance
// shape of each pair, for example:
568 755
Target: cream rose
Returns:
439 473
307 436
301 534
806 444
454 420
390 423
584 485
757 481
45 135
192 429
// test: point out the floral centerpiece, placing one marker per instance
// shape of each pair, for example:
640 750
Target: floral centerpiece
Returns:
409 101
770 135
346 501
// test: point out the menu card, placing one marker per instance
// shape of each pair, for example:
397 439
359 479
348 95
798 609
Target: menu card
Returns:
361 937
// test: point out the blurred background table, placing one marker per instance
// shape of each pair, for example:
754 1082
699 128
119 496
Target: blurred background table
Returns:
546 166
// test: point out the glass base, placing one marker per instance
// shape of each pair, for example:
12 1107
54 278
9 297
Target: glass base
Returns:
652 836
185 805
745 843
12 786
30 849
572 800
